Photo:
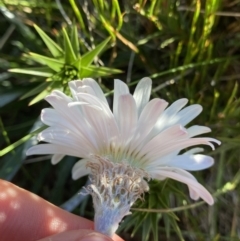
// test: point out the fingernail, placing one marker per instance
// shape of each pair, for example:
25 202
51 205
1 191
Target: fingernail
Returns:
95 237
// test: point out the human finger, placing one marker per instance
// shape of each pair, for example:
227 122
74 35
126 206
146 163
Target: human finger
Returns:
78 235
25 216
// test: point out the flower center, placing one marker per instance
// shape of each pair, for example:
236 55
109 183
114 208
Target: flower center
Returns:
114 188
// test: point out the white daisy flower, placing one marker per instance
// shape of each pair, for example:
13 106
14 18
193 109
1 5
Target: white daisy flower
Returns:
121 150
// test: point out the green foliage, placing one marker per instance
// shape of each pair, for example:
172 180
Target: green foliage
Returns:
189 51
55 50
147 222
67 63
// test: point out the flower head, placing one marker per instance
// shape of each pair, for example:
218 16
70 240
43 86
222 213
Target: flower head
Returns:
140 139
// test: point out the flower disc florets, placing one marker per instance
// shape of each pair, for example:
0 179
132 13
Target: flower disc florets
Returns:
114 188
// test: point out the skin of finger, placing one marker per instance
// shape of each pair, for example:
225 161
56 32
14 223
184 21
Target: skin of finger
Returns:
77 235
25 216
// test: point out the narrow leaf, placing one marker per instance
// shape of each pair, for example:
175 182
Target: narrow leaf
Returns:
54 64
41 95
54 48
36 90
12 162
88 58
154 226
78 15
75 40
146 228
69 54
38 71
177 229
21 141
94 72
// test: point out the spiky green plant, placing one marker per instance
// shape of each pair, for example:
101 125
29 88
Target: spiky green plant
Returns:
65 64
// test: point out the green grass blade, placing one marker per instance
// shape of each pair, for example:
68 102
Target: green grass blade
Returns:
185 67
75 40
69 54
36 90
12 162
4 132
94 72
54 48
41 95
231 98
116 7
38 71
54 64
154 226
191 48
21 141
146 228
78 15
88 58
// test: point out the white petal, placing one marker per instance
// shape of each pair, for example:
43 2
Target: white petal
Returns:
84 126
59 104
154 153
93 100
196 189
61 95
189 113
146 123
165 138
101 123
69 123
73 86
149 116
43 149
79 169
65 138
51 117
142 93
176 106
56 158
98 123
96 88
127 118
75 116
193 194
89 86
192 162
120 88
81 103
106 114
197 130
85 89
168 119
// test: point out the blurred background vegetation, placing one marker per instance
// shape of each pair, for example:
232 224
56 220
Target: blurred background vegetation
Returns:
189 48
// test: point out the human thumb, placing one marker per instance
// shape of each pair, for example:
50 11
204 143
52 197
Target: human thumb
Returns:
78 235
